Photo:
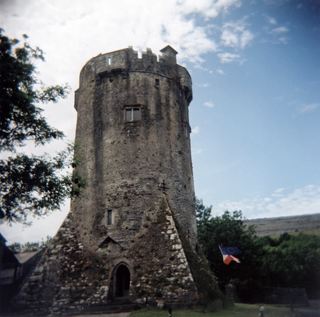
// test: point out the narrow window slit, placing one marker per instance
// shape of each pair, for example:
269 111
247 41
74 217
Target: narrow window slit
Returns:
110 217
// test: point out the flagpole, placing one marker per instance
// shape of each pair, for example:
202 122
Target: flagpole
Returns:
223 272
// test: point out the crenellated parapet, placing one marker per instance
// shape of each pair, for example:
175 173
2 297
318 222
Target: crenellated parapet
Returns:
125 61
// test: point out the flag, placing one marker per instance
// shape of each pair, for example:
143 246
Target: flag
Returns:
227 254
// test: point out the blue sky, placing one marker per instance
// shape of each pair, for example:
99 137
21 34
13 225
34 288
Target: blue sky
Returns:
261 149
255 67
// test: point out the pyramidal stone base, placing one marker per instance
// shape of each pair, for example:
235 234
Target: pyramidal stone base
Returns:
152 268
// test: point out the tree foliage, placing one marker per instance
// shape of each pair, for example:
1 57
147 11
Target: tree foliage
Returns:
227 230
20 118
30 185
30 246
289 261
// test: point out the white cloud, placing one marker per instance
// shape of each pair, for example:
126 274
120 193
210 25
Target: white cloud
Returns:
203 85
236 35
278 192
280 30
220 71
202 68
196 130
229 38
283 40
298 202
209 104
271 20
85 30
208 8
72 34
228 57
277 34
308 108
245 38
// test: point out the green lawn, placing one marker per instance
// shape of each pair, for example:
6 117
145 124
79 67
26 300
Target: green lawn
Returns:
239 310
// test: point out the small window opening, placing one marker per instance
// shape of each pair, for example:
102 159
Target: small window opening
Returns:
110 217
109 60
133 114
157 82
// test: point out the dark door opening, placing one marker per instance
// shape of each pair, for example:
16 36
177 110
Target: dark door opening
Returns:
122 281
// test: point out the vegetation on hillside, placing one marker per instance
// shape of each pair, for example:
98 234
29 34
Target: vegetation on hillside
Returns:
289 261
29 246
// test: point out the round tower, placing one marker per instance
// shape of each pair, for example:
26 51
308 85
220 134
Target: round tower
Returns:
131 236
133 124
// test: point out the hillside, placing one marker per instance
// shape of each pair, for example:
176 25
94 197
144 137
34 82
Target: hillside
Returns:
278 225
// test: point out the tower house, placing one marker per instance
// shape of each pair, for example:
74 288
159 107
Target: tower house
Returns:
125 238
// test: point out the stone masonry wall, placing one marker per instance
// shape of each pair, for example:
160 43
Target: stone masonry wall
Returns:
69 278
140 188
139 154
160 266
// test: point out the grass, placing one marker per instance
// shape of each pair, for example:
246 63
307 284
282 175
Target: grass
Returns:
239 310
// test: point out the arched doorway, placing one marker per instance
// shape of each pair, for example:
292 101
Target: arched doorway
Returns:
122 281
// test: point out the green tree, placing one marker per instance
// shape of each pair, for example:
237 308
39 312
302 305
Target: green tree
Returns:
30 185
292 261
229 230
289 261
30 246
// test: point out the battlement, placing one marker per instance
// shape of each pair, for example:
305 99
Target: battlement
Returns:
126 60
125 57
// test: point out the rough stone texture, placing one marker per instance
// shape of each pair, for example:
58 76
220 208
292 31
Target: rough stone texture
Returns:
231 292
138 171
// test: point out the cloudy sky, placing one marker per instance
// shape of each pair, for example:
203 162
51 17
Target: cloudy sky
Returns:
255 67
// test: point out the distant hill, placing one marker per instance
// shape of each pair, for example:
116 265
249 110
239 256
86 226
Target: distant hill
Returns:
294 224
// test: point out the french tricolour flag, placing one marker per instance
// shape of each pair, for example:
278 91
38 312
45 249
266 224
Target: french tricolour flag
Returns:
227 254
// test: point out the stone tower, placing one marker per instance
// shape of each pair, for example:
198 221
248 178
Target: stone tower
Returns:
128 237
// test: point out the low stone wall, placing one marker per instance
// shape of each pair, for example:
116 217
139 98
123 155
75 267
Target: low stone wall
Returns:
292 296
231 292
269 295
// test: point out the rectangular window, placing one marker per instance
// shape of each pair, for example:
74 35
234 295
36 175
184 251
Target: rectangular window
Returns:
157 82
136 114
133 114
128 114
110 217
